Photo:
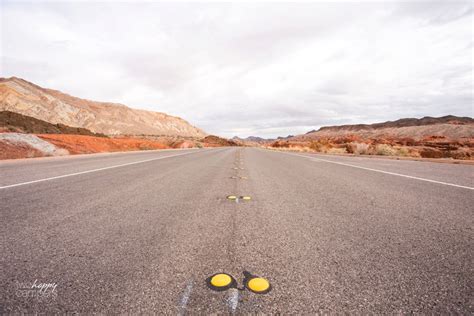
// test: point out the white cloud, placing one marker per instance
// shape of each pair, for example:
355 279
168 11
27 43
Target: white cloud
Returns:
267 69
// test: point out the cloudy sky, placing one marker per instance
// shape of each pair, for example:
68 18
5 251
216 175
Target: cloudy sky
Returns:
266 69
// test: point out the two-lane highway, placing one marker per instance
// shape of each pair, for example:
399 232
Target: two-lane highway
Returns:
141 232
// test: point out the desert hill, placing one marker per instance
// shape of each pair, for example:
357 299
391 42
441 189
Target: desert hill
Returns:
22 136
18 123
452 127
427 137
20 96
252 141
216 141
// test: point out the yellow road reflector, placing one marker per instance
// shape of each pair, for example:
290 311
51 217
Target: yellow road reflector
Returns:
256 284
221 282
232 197
246 198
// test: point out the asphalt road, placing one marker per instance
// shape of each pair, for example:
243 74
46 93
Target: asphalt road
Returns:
141 232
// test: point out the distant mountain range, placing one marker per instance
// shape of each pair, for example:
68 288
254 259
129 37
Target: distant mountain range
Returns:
20 96
251 140
448 126
404 122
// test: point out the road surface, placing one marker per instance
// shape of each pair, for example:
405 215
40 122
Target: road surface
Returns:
141 232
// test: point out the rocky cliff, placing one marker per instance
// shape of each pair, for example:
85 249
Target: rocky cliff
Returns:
20 96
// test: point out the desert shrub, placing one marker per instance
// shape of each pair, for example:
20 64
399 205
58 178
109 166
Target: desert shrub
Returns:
322 145
358 148
316 146
297 147
403 151
280 144
198 145
462 153
385 150
414 152
427 152
337 150
350 148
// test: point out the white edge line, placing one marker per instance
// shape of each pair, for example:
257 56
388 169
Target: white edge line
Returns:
94 170
185 297
382 171
4 162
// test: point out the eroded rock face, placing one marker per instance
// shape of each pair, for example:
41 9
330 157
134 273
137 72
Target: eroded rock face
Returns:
17 145
9 150
20 96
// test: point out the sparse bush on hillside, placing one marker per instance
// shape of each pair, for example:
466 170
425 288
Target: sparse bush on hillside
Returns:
462 153
316 146
383 147
358 148
280 144
385 150
322 145
403 151
350 148
427 152
296 147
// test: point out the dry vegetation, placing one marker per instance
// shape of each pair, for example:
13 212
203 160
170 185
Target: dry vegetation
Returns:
429 147
428 137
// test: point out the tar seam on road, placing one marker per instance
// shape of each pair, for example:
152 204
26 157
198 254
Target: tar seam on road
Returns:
94 170
382 171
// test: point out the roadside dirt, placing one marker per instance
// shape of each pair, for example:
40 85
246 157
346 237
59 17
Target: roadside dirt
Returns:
81 144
